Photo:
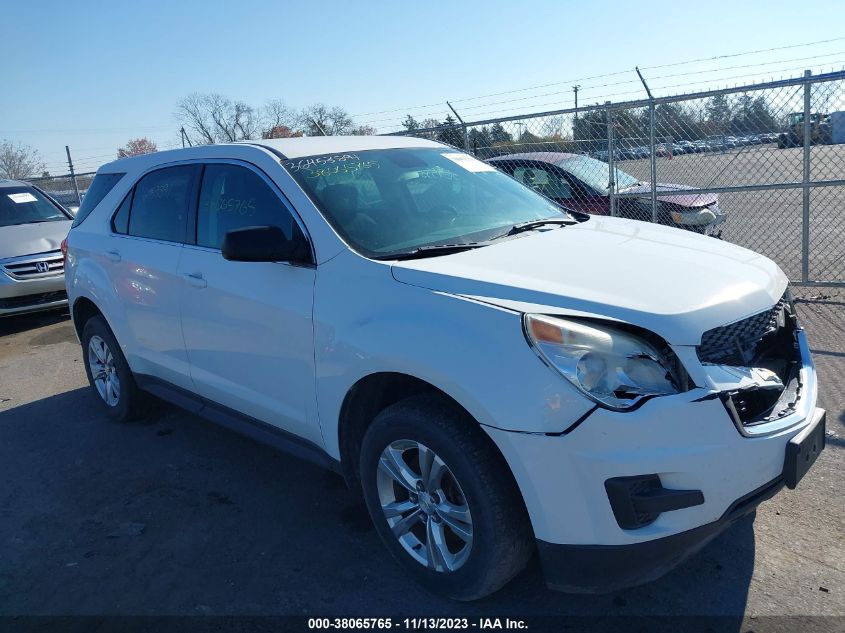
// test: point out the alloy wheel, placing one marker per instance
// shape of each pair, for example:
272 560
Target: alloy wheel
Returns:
103 371
424 505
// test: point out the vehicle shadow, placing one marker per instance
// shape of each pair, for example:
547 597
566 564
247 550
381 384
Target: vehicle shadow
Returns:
173 515
23 322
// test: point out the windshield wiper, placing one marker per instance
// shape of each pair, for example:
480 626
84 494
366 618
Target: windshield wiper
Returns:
534 224
434 250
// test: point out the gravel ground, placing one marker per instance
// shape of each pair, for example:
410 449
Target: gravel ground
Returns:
174 516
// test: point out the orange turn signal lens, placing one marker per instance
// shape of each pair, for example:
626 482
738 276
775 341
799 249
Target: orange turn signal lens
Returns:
546 332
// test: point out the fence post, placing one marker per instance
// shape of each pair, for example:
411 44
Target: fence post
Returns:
653 158
805 217
463 125
73 175
651 145
611 150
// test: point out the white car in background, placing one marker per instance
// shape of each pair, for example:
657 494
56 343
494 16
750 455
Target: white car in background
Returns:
495 374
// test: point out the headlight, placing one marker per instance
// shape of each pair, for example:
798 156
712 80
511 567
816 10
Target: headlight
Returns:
695 217
612 367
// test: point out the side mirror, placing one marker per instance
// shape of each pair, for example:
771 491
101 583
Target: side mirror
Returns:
265 244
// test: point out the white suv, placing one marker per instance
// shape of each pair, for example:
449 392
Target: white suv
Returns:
495 373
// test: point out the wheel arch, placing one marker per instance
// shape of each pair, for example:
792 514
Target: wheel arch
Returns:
82 311
368 397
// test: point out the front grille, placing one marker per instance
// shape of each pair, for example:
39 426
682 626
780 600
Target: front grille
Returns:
764 341
32 300
36 266
731 344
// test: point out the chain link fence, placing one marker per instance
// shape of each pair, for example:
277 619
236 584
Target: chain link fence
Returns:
761 165
68 190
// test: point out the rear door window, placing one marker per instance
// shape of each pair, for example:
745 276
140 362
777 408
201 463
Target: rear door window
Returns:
160 204
99 189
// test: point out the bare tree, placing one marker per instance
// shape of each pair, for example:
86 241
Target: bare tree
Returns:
322 120
363 130
281 131
213 118
18 160
137 147
193 114
278 120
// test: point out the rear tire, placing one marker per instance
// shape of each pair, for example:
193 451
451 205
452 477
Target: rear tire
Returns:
443 499
109 374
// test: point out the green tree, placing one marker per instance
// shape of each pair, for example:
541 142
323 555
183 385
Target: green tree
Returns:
453 136
480 140
410 123
591 125
718 113
499 134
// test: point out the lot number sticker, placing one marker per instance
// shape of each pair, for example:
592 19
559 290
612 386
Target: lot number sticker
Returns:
22 197
468 162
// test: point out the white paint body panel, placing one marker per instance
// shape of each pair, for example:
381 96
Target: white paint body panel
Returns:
249 340
675 283
285 344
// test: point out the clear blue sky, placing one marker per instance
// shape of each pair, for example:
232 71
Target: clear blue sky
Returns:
92 75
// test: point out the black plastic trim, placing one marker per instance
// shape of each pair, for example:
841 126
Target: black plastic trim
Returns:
637 501
606 568
803 449
238 422
577 422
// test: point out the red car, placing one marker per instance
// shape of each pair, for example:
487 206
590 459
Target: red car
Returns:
580 183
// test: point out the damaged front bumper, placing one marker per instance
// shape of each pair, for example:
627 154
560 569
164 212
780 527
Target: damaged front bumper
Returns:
689 454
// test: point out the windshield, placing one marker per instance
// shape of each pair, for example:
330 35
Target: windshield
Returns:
387 202
596 174
25 205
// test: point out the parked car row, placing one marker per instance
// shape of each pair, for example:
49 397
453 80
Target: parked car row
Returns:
714 143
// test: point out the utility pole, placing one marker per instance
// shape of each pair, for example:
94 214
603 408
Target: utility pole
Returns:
73 175
575 89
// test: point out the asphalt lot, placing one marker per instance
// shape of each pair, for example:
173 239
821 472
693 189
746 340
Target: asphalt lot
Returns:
174 516
769 222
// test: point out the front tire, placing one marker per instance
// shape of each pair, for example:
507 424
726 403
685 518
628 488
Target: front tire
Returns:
443 499
108 372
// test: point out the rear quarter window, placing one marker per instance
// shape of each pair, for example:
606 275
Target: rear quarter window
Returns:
160 204
99 189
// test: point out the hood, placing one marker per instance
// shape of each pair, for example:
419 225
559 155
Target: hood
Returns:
675 283
29 239
664 194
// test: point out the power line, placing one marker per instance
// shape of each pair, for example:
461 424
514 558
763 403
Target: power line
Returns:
564 105
605 75
762 50
635 81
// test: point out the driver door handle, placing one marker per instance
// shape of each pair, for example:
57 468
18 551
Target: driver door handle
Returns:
113 256
196 280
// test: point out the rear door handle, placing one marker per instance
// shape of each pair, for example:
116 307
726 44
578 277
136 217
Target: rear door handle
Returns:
113 256
196 280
